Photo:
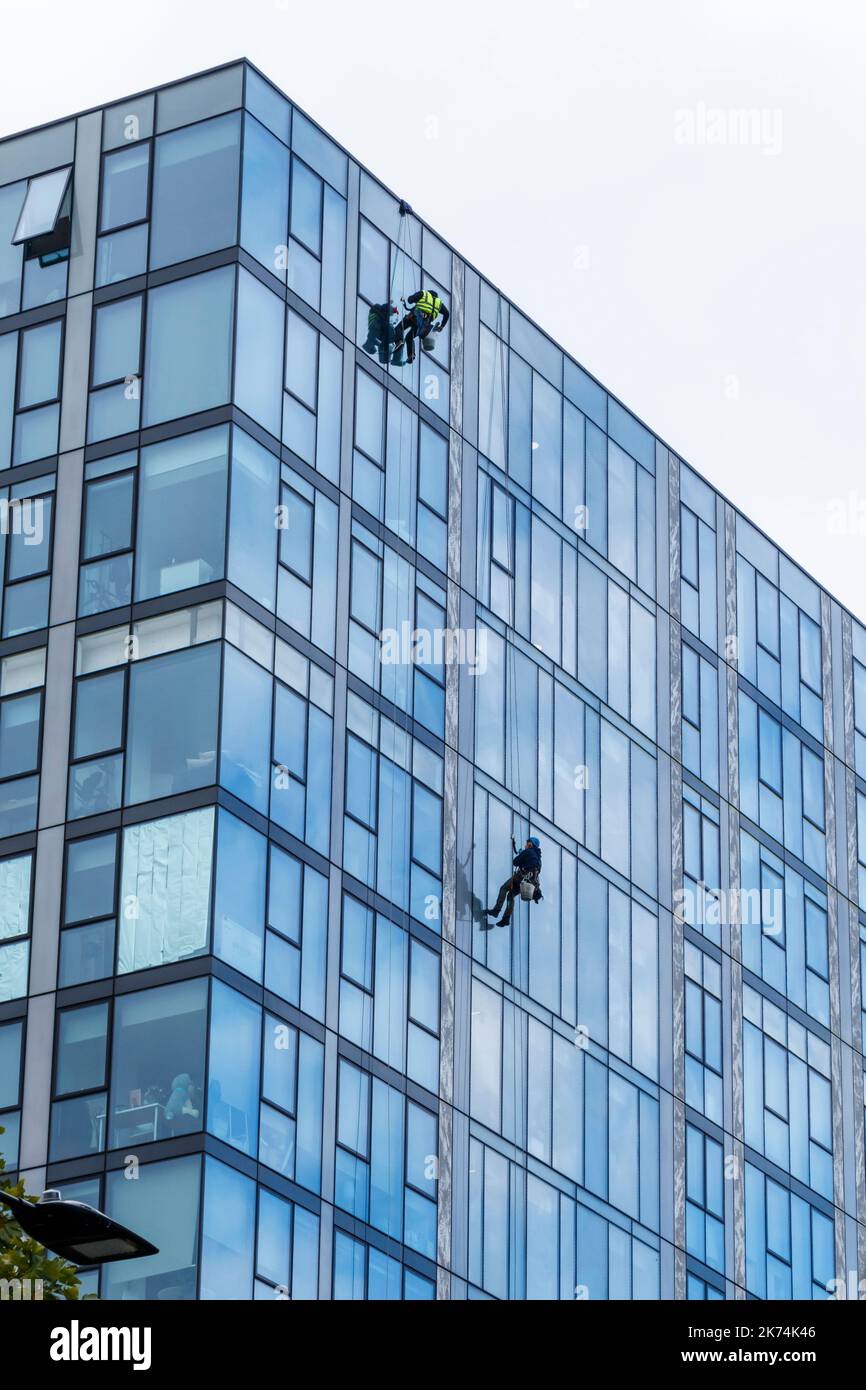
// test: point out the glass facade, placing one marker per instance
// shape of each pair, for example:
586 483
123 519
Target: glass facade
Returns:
294 637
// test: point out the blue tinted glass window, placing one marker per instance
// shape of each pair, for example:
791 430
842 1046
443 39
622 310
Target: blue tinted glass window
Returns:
195 190
90 872
265 207
124 187
107 516
182 513
39 372
189 346
166 756
117 341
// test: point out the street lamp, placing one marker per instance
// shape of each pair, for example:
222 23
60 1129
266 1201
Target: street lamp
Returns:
75 1231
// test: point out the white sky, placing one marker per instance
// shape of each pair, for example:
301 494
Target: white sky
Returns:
718 290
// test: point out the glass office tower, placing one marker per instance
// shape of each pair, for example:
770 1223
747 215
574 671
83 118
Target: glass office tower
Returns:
293 640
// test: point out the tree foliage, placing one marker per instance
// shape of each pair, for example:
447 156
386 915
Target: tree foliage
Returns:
22 1258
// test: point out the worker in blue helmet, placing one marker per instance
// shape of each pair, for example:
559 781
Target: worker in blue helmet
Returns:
526 867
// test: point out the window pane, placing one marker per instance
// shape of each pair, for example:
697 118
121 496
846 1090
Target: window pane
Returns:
121 255
124 187
40 364
90 878
306 206
265 211
301 357
19 734
239 911
42 205
10 1063
107 516
253 534
86 953
118 341
228 1223
163 1206
11 257
182 511
165 890
29 547
233 1068
158 1065
195 190
189 342
166 756
81 1040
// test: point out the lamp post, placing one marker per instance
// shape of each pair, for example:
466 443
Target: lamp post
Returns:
75 1231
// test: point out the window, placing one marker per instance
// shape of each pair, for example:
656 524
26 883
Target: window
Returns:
389 994
16 877
11 1039
87 941
228 1232
380 1179
20 738
701 865
782 783
700 717
290 1115
788 1093
121 251
287 1250
38 398
105 579
307 583
163 1205
703 1037
296 938
698 559
859 695
26 518
124 187
182 513
312 396
789 1243
317 241
239 911
169 756
80 1075
158 1061
189 346
779 642
301 758
363 1272
234 1064
265 199
165 890
42 206
393 822
785 932
195 190
705 1205
617 972
115 371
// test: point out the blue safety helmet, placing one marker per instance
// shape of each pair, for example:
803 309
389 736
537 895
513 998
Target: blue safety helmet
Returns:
534 840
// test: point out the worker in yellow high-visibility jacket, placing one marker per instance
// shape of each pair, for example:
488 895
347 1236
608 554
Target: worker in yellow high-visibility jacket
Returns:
427 314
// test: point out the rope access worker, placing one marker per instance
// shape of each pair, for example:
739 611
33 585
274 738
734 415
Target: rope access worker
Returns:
527 869
384 331
424 308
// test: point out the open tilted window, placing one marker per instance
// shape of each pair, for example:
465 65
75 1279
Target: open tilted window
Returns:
43 226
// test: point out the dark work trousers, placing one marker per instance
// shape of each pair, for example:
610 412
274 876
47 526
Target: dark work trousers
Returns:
509 890
415 325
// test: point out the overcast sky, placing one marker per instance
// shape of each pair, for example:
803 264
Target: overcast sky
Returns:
594 159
